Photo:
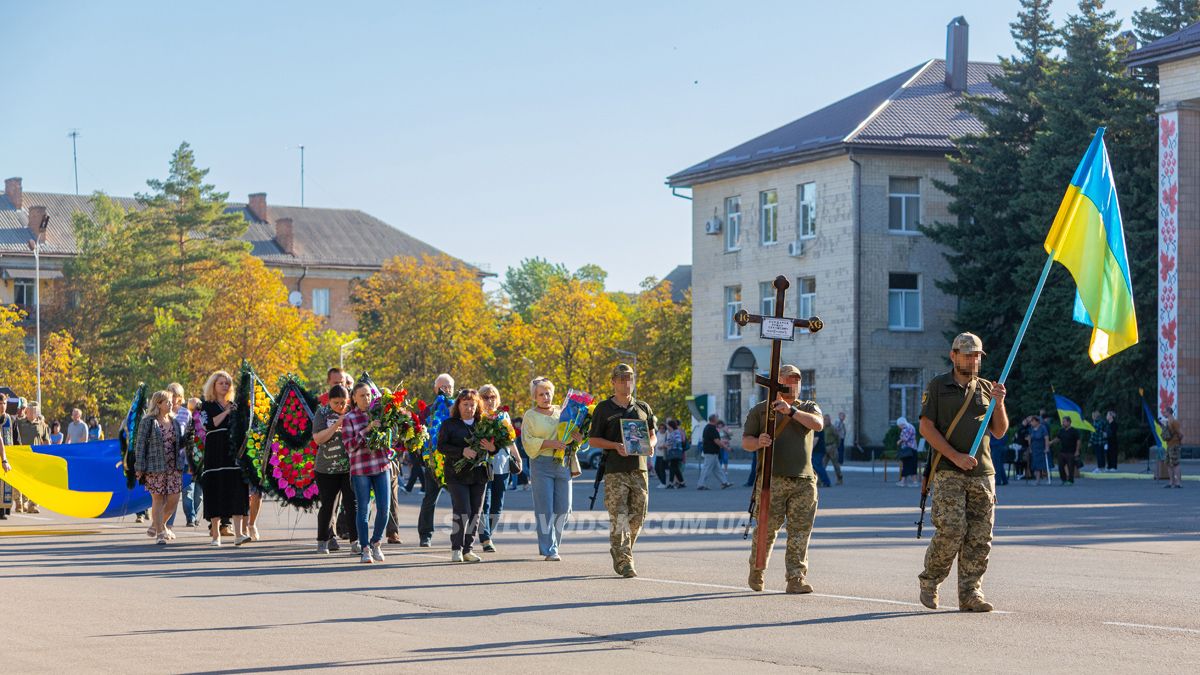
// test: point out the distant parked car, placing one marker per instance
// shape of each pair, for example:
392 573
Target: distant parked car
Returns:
589 457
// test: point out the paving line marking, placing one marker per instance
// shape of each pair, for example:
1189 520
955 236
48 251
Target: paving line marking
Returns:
1144 625
819 595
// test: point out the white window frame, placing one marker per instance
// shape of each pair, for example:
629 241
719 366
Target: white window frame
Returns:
806 210
766 294
806 300
30 295
315 308
907 200
733 223
903 391
903 294
768 217
732 330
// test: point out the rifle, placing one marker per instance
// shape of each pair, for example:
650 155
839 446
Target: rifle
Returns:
599 479
753 499
935 456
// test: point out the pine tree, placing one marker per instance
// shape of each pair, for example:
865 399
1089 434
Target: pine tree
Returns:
988 240
1165 18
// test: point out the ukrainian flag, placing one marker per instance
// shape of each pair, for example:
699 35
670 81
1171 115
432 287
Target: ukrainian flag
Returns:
1068 410
1155 427
1087 238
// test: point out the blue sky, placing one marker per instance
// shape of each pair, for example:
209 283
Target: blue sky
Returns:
495 131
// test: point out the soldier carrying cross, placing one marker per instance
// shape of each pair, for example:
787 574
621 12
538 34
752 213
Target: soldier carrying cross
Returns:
781 429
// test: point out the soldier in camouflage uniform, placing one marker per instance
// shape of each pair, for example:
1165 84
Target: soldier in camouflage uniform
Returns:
964 487
626 483
793 481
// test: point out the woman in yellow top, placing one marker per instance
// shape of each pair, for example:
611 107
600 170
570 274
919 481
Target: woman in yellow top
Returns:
551 480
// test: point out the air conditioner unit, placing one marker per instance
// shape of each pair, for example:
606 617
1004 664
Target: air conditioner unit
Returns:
796 248
712 226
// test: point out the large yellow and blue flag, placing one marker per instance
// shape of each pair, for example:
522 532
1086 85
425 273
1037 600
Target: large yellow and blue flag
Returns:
1068 410
1088 239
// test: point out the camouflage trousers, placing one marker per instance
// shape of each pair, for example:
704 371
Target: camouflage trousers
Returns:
794 501
964 509
625 496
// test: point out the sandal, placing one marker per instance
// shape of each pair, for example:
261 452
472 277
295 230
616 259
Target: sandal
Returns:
151 532
170 534
162 540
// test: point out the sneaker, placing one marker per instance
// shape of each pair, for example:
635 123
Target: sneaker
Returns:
254 536
334 545
1097 470
425 543
726 485
670 487
553 557
756 580
366 556
376 552
242 540
323 548
799 585
190 523
139 519
929 597
660 486
356 547
215 542
701 488
489 547
162 540
456 556
471 556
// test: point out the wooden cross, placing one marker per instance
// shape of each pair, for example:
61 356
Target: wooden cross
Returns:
776 329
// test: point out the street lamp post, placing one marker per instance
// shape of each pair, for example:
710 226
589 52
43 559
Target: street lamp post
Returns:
342 352
36 245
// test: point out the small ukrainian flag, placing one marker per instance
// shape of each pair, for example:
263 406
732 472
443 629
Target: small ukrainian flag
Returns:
1068 410
1088 239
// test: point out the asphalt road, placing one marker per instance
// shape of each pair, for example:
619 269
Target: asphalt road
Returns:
1099 576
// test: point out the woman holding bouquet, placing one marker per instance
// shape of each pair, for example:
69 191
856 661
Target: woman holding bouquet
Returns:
369 471
333 468
493 496
551 477
226 495
467 473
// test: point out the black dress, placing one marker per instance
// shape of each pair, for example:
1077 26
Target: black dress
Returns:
225 493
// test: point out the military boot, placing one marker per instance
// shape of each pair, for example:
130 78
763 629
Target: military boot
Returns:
756 580
799 585
929 597
975 603
627 570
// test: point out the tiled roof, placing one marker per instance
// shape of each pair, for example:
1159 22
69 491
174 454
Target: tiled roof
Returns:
332 237
911 110
1175 46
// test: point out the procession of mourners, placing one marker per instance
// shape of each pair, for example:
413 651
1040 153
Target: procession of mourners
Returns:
344 454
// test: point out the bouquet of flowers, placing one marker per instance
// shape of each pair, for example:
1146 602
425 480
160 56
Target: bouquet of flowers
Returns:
575 412
495 428
199 419
292 452
399 425
429 452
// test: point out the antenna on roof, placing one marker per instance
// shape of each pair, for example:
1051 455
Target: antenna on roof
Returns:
301 175
75 158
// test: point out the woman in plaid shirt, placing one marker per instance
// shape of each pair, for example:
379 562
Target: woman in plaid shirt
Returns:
369 470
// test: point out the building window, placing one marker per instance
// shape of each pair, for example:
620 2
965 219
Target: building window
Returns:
904 204
766 291
807 305
904 301
808 385
768 216
806 211
320 301
904 394
24 292
733 223
31 345
733 400
733 304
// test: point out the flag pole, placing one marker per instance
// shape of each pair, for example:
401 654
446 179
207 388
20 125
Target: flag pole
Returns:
1012 355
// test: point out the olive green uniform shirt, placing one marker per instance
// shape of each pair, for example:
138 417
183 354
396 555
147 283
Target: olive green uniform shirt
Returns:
941 402
793 444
